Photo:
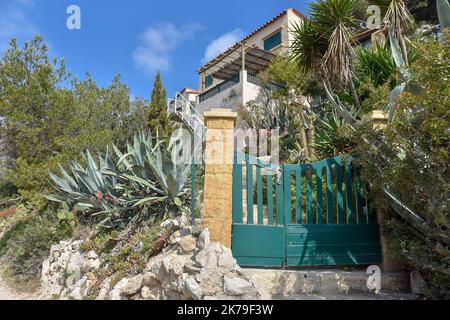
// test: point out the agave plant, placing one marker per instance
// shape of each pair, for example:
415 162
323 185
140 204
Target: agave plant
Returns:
334 136
443 8
152 174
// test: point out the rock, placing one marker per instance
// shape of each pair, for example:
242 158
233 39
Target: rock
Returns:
133 285
203 239
190 269
181 221
63 260
117 292
104 288
206 259
76 262
418 284
45 267
92 255
210 280
187 231
209 256
180 272
237 286
176 235
178 223
92 264
187 244
150 279
191 288
226 260
167 228
56 255
78 291
151 293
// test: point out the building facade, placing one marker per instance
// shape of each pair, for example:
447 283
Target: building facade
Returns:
232 79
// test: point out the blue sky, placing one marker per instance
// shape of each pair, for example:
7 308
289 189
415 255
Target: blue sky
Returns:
136 37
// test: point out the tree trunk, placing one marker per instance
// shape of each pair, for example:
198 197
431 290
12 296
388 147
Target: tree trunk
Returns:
303 138
311 145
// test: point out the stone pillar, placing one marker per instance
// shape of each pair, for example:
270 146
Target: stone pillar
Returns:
379 118
218 197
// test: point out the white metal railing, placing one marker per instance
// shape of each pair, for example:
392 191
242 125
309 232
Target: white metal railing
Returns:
188 114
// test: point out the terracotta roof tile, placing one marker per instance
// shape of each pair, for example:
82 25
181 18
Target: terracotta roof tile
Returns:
189 90
237 44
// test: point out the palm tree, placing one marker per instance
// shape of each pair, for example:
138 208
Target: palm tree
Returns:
398 20
324 45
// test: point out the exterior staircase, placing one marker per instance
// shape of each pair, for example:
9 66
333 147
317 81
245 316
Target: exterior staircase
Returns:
188 114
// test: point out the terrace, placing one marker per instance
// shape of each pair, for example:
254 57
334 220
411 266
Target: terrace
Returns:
238 72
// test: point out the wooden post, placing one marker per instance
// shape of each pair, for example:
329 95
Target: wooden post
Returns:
219 153
243 56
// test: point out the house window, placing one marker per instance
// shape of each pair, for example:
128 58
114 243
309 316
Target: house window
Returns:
208 81
272 41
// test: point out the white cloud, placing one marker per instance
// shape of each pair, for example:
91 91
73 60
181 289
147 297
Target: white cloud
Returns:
15 21
217 46
158 42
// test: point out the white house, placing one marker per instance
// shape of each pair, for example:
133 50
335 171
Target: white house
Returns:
232 78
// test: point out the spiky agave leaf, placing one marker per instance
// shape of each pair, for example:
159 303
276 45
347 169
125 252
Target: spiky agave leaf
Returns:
115 189
443 9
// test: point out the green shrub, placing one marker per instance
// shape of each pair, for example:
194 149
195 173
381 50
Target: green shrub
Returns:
133 253
25 245
411 158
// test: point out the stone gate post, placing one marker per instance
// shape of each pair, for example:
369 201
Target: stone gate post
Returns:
218 192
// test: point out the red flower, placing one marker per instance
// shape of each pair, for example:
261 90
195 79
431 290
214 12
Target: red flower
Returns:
8 212
99 196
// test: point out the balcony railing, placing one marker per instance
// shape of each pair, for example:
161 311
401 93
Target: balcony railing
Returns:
272 86
220 88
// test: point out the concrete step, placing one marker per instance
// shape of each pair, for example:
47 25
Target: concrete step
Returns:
286 283
347 297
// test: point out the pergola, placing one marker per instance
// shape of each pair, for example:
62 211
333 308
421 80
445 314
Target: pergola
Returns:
240 57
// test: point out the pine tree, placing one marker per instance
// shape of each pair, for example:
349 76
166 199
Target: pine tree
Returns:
157 116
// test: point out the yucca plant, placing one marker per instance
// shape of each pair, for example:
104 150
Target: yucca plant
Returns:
378 65
324 45
151 177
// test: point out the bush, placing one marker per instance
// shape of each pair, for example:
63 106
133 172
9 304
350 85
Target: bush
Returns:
48 117
26 244
412 159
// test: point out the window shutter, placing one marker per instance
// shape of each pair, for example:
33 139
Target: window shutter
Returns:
272 41
208 81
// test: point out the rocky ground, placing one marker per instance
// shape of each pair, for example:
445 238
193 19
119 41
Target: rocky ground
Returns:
192 268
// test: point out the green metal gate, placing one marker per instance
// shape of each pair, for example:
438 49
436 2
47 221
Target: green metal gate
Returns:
302 215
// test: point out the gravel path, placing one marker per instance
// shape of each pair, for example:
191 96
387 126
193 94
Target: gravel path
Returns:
5 291
8 293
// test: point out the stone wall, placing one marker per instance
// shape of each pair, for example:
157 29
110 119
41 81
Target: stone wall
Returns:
189 269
